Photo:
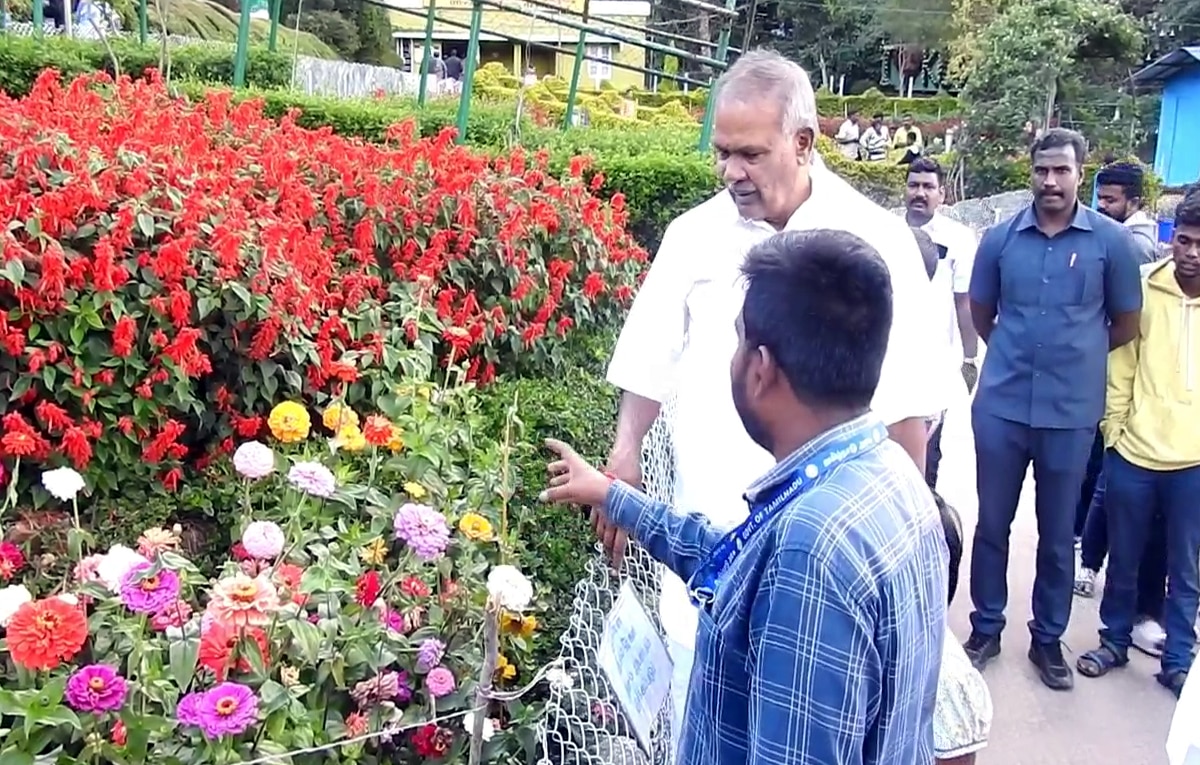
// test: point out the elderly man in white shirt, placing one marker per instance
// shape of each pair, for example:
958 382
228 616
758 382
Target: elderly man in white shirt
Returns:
956 243
679 337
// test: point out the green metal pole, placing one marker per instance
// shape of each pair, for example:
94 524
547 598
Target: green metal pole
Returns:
243 46
710 108
464 100
580 52
426 52
276 9
39 22
143 21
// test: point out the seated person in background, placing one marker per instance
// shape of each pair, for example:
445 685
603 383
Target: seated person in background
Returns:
908 137
963 716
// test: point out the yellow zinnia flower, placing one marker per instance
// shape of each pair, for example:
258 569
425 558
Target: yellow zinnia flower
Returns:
415 490
351 439
374 552
505 669
475 526
337 417
289 422
515 624
396 442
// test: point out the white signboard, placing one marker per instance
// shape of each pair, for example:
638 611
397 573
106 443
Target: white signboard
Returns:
636 663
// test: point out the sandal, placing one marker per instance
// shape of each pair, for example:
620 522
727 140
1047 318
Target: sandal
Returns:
1172 680
1100 661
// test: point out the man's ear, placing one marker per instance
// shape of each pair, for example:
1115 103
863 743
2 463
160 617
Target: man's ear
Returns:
805 142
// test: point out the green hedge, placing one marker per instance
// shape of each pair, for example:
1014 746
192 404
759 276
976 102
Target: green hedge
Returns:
556 542
23 58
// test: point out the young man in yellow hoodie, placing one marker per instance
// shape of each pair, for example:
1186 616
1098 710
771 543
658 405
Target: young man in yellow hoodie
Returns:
1152 430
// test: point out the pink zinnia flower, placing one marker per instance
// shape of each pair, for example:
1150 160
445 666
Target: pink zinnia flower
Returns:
172 615
96 688
440 682
239 601
87 570
423 529
263 540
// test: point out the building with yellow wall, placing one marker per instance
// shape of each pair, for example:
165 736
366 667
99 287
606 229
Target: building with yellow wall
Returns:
518 55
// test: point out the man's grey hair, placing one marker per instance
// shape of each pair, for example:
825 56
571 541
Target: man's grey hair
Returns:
765 76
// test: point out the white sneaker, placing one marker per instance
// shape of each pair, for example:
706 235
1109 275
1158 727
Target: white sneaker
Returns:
1085 582
1148 637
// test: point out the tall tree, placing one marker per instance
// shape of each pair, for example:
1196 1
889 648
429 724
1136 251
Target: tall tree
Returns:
1032 61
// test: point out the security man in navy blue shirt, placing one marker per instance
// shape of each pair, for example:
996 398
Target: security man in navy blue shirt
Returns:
1052 291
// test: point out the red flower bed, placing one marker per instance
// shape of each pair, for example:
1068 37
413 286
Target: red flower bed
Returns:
170 270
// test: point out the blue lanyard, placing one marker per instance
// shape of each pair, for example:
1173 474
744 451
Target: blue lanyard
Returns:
702 587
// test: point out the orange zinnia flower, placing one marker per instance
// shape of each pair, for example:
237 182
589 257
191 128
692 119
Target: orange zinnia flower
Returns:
377 430
217 646
239 601
44 633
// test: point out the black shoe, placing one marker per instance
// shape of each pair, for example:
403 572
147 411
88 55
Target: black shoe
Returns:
981 649
1052 667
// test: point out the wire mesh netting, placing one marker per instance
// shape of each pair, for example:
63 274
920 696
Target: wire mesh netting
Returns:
584 724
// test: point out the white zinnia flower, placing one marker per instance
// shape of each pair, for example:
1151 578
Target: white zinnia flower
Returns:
489 728
509 587
64 483
559 678
113 567
12 598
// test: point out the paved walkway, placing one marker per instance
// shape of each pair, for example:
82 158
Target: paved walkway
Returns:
1122 718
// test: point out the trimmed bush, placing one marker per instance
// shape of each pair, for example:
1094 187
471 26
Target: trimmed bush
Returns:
578 407
22 59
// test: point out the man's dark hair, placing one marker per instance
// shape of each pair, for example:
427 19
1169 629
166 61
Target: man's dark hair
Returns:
929 250
952 528
1058 138
852 112
877 116
926 165
821 302
1128 175
1187 212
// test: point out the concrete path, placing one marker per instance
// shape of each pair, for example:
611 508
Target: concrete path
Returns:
1121 719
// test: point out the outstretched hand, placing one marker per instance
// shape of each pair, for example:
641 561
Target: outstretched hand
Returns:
572 480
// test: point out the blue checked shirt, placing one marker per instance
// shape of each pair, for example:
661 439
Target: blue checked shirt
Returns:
823 644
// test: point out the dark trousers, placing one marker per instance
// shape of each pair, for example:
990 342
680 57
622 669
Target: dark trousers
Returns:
1088 487
933 455
1003 451
1152 574
1133 495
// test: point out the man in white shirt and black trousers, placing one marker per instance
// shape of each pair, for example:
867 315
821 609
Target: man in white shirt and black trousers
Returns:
924 193
680 337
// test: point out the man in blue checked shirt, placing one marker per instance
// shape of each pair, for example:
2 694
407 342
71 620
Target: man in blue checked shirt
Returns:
822 615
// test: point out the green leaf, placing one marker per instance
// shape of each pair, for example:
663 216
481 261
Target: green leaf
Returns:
15 756
183 656
33 227
145 224
308 639
14 272
274 697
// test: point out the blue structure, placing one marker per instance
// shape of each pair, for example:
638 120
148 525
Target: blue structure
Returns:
1177 160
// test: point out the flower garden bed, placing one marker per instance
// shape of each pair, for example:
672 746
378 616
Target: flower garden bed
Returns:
261 493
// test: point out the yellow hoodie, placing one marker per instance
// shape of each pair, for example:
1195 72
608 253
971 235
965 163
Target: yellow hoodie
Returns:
1152 414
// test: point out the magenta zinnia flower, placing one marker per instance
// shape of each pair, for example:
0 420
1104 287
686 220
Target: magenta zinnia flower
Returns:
227 710
96 688
149 594
423 529
188 710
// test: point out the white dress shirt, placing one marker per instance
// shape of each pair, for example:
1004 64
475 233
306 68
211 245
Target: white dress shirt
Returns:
679 339
953 277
